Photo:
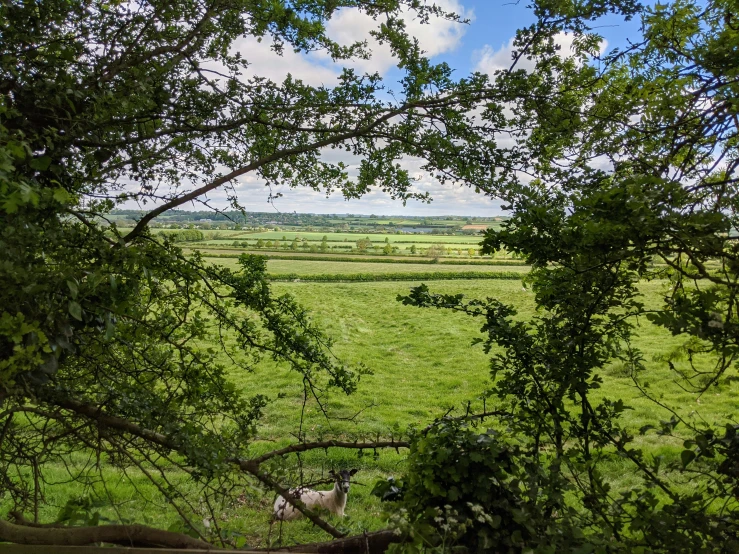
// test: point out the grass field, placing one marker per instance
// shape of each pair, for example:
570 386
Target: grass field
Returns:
423 364
308 267
405 239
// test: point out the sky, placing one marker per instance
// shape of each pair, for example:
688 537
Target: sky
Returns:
484 44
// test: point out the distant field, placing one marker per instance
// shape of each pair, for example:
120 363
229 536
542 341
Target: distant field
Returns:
354 237
301 267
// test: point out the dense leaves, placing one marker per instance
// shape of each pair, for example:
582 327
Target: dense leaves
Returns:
156 102
629 159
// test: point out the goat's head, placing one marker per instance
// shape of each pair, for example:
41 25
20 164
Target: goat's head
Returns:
342 478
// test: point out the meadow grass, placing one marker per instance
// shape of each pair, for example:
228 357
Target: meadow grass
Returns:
405 239
308 267
423 364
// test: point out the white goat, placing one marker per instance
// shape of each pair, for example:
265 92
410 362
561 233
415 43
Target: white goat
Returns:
334 500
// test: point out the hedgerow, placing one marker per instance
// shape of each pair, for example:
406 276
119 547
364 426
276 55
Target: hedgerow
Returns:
368 277
378 259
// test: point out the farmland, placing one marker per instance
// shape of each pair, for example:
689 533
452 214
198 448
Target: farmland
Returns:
308 267
423 364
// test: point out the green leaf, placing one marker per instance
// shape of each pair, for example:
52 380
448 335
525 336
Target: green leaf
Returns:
40 164
61 195
75 310
687 456
73 288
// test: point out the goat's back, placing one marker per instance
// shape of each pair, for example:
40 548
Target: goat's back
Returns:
285 511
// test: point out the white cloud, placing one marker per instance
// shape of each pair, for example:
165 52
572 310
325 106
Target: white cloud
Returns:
346 27
489 60
265 62
448 199
435 37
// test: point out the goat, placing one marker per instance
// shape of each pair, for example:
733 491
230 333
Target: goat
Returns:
334 500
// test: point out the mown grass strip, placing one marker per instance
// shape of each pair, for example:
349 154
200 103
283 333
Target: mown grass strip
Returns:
373 277
378 259
387 260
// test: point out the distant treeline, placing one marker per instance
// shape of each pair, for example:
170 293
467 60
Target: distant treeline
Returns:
368 277
186 235
286 218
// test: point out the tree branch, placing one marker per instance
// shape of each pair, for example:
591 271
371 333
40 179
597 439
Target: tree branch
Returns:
302 447
126 535
368 543
248 466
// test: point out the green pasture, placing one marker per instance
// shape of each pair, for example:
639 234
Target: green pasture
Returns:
355 257
409 240
422 365
308 267
423 362
406 239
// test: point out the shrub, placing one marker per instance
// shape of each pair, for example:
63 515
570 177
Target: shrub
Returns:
467 488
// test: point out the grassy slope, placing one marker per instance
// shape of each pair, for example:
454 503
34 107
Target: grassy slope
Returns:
423 364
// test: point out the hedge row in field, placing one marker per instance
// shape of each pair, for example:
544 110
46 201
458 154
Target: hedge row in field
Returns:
383 260
377 260
367 277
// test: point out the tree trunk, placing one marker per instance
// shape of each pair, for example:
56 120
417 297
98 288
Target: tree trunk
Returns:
369 543
126 535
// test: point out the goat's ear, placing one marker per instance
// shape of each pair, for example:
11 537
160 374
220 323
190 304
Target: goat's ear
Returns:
353 471
331 473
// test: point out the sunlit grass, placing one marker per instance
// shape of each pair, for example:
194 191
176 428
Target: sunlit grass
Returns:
423 365
309 267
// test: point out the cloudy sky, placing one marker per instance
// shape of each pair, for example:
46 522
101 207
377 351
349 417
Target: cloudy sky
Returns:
484 45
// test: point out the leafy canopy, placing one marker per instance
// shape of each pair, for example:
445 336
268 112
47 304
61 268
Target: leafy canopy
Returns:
628 172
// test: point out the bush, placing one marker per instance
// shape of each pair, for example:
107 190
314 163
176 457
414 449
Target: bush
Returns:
186 235
463 487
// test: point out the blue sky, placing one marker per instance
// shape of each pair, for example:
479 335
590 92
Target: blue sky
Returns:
482 45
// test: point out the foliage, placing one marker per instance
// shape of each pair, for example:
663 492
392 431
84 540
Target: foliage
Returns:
186 235
436 251
479 492
663 116
364 244
110 341
112 344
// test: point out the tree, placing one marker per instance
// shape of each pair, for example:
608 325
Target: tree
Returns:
260 243
364 244
436 251
634 159
102 329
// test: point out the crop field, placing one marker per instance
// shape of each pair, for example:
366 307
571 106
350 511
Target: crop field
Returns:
351 257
